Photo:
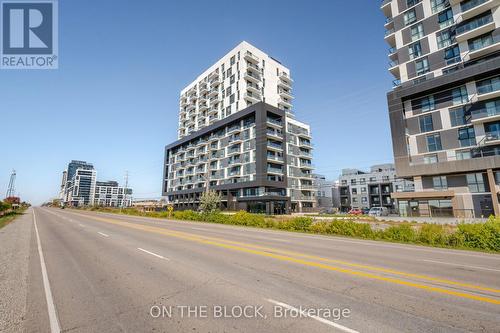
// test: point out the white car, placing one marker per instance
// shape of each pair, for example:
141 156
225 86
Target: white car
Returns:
378 211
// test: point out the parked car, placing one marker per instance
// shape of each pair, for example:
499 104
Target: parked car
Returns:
355 211
378 211
365 210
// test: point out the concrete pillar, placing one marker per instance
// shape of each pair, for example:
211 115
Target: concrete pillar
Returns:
493 189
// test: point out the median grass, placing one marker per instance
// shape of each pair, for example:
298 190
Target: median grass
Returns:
9 217
479 236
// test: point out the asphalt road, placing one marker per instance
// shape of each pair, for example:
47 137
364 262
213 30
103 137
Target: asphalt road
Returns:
94 272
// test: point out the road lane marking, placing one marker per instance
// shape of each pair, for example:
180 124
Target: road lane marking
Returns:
460 265
336 261
54 322
196 238
333 238
322 320
102 234
153 254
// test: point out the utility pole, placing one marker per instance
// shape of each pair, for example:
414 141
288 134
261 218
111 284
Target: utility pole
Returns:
11 190
125 190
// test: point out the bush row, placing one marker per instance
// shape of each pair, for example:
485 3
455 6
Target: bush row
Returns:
482 236
4 206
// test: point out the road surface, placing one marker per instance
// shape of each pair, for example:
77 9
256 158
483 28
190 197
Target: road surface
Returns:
95 272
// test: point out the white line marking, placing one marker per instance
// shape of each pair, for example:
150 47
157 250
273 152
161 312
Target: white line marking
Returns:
322 320
452 264
102 234
54 323
153 254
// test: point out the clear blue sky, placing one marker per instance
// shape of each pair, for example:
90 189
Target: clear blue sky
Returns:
114 99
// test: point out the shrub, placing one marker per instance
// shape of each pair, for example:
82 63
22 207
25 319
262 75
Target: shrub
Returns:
401 233
433 234
350 228
187 215
481 235
245 218
216 218
319 227
300 223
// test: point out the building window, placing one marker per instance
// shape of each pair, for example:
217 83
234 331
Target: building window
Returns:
463 154
363 189
480 42
411 3
415 50
445 18
445 38
489 85
410 17
426 123
439 183
427 103
434 142
457 117
475 182
417 32
459 95
354 190
364 199
422 66
497 177
438 5
430 159
452 55
467 137
233 60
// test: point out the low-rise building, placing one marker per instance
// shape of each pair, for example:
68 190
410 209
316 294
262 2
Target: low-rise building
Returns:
367 189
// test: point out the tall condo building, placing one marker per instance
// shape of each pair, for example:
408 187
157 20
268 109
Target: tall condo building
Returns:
444 109
243 77
239 137
79 187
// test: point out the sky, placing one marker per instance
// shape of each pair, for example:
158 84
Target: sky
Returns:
114 99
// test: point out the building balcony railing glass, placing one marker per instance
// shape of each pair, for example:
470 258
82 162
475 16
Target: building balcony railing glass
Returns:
482 42
251 57
274 170
389 32
467 5
274 121
493 86
474 24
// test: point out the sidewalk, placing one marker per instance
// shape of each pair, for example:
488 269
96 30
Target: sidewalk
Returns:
14 258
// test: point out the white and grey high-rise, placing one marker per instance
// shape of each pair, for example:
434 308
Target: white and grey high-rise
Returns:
237 134
445 106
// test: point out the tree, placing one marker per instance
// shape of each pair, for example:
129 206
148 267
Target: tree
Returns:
210 201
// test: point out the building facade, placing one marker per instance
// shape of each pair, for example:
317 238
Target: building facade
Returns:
243 77
326 195
361 189
79 187
238 136
110 194
444 109
244 157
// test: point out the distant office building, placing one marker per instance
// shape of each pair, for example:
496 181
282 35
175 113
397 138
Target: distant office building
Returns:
79 187
110 194
238 136
366 189
444 109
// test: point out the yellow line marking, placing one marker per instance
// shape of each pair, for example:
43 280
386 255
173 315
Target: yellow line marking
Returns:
345 263
199 239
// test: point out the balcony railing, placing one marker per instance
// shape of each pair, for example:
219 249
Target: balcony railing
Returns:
474 24
466 5
488 88
274 121
389 32
274 170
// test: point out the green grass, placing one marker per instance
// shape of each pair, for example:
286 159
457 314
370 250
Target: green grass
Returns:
479 236
6 219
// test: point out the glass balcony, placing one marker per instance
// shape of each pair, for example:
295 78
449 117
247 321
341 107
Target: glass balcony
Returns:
473 28
486 88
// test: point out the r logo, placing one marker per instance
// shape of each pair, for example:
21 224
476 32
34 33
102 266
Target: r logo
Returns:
27 28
